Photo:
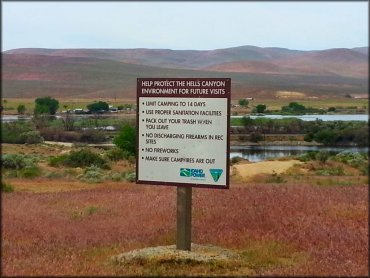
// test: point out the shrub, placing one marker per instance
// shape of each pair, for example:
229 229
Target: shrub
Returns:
53 175
17 161
116 154
235 160
130 176
336 171
93 136
255 137
308 156
29 172
56 161
13 133
85 158
322 156
126 139
31 137
6 187
117 176
92 174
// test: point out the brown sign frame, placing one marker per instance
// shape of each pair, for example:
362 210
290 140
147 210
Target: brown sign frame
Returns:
227 96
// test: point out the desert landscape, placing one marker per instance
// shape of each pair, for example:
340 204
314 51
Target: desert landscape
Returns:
69 199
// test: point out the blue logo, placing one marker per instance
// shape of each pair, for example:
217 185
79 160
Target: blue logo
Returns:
216 174
195 173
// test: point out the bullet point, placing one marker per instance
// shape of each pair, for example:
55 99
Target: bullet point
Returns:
142 149
143 112
143 103
142 157
142 134
143 120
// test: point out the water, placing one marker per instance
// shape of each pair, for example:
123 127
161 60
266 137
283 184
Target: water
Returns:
334 117
260 153
338 117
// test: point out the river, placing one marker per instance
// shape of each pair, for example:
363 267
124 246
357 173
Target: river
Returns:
260 153
327 117
334 117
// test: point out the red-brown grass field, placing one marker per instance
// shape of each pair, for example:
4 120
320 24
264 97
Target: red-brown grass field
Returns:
302 226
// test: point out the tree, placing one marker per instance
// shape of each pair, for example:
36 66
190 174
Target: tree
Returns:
46 105
98 106
21 109
243 102
126 139
260 108
294 107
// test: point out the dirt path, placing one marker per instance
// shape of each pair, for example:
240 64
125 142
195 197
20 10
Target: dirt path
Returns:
249 170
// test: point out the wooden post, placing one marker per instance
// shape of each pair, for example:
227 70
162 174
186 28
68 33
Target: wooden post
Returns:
183 240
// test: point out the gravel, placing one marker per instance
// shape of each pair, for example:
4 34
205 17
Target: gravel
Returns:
198 253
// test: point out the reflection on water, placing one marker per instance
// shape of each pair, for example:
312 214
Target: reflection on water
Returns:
260 153
324 117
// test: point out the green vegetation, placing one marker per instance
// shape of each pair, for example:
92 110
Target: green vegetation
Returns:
46 105
126 139
84 158
357 160
116 154
6 187
243 102
294 108
21 109
98 106
93 174
20 132
326 132
18 161
260 108
19 165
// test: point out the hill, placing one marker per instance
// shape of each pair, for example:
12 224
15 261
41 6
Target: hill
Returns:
93 73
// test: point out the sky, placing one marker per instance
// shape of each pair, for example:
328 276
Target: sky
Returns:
184 25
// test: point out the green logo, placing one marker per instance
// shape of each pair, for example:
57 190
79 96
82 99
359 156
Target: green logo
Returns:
185 172
216 174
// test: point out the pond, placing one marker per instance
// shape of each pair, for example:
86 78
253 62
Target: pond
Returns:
260 153
334 117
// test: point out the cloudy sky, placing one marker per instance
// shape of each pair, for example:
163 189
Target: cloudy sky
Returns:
184 25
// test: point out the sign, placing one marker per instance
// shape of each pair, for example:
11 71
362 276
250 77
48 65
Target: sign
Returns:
183 131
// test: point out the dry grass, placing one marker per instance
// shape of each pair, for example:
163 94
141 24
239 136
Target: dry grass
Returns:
281 230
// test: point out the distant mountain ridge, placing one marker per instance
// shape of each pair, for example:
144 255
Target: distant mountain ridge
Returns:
89 72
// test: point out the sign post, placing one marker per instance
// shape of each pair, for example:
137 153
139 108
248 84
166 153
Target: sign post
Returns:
183 129
183 237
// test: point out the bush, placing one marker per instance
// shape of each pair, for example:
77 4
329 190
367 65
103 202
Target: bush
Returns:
16 132
235 160
54 175
322 156
93 136
56 161
93 174
29 172
336 171
116 154
85 158
308 156
255 137
31 137
130 176
6 187
17 161
126 139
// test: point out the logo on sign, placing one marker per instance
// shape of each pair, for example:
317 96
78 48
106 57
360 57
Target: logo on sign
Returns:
195 173
216 174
